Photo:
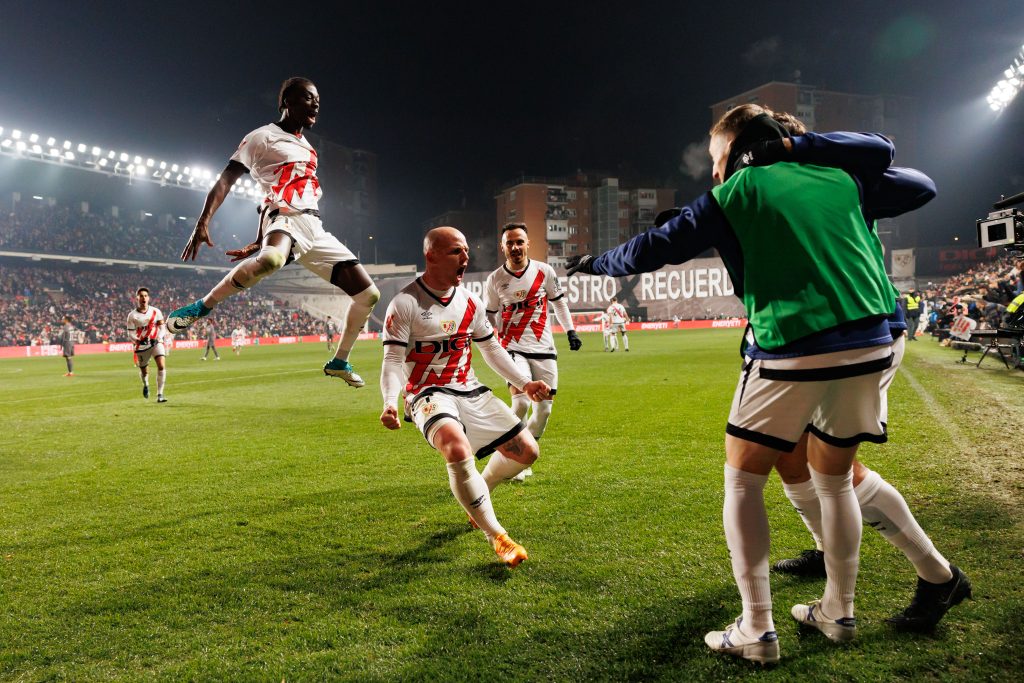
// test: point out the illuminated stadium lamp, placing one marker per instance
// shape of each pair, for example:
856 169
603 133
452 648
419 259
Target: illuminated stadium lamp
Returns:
123 157
178 179
149 163
103 163
182 218
36 149
5 143
33 138
187 170
112 154
167 174
130 168
137 160
81 148
50 142
96 151
35 196
174 168
70 156
147 214
54 152
16 134
20 146
163 165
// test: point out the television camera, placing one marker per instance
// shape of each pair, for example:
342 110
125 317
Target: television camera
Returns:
1004 227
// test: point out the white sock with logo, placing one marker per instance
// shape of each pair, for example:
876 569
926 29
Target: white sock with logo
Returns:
470 489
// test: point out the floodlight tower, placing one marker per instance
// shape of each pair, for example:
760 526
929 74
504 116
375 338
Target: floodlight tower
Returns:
1008 87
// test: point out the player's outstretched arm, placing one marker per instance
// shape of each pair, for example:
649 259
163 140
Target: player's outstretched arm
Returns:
201 233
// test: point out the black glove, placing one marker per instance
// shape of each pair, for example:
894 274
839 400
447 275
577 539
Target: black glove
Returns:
665 216
574 340
763 153
583 263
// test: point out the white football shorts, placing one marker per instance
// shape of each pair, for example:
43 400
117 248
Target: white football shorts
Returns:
538 369
835 396
153 351
312 246
487 421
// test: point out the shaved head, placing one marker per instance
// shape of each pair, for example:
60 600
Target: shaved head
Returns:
439 238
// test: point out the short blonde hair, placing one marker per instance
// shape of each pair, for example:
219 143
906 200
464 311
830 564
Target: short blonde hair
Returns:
736 119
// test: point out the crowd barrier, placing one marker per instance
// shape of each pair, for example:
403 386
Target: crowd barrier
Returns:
120 347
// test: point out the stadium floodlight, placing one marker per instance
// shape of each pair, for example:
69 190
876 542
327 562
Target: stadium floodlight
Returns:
112 154
5 143
36 149
174 168
96 151
50 142
54 152
70 156
1007 88
137 161
163 165
167 174
20 146
33 138
81 148
123 157
103 163
130 168
149 163
16 134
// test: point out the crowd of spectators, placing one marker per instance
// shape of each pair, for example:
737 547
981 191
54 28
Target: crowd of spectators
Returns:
34 299
39 227
983 293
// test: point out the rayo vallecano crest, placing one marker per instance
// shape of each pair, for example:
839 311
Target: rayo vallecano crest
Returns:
519 294
448 326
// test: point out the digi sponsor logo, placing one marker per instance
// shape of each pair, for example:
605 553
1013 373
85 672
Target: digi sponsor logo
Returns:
448 326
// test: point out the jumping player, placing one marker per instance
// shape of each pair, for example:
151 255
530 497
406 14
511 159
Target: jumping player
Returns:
617 319
520 290
428 334
283 164
145 323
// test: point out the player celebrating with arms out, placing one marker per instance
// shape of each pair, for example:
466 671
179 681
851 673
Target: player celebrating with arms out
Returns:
521 290
283 164
145 323
428 334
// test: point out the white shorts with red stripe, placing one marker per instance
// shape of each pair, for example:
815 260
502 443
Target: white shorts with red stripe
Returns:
487 421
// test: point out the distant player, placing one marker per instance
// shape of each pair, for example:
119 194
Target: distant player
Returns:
618 319
211 341
68 335
428 334
145 323
237 338
610 342
330 330
520 291
283 165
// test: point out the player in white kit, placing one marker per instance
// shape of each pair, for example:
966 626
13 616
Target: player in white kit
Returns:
605 321
283 165
145 323
237 337
428 334
617 320
517 296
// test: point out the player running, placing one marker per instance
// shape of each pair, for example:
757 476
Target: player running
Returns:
617 319
520 290
145 323
283 165
428 334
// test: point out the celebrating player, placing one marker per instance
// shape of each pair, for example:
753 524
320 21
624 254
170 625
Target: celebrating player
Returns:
283 164
617 319
428 332
521 290
145 323
806 263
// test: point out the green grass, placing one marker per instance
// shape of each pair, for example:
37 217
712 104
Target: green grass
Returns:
262 525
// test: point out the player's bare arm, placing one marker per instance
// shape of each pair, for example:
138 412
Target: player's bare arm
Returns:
220 190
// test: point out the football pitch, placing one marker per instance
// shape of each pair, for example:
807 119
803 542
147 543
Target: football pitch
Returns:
263 525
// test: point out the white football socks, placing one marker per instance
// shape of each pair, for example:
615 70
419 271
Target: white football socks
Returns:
500 469
470 489
161 377
747 535
841 534
804 498
886 511
355 317
520 405
539 418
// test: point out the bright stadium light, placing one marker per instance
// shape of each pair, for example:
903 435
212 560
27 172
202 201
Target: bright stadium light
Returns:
70 156
137 160
1007 88
103 163
36 149
123 157
96 151
81 148
20 146
50 142
5 143
16 134
33 138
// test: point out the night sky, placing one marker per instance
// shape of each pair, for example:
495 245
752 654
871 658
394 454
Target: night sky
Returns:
456 98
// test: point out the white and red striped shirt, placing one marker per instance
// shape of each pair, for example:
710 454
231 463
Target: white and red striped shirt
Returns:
145 327
283 165
521 300
437 335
